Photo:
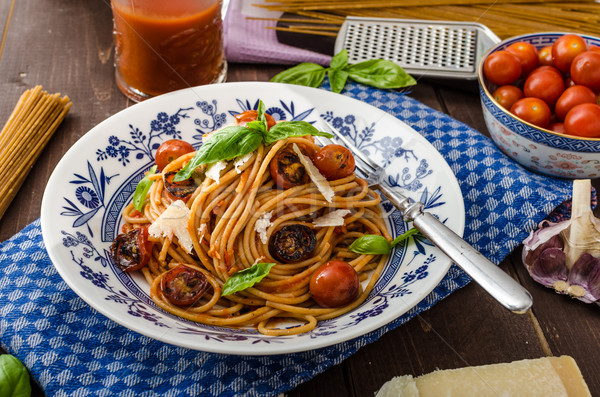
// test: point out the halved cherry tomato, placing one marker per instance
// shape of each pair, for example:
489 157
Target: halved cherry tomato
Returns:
527 54
334 162
545 56
250 115
292 243
584 120
286 169
571 97
502 67
545 85
507 95
565 49
532 110
585 69
183 286
181 189
132 250
334 284
171 150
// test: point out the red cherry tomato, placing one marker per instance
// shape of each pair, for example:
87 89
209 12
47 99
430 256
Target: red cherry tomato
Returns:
502 67
545 68
532 110
132 250
585 69
565 49
507 95
334 284
571 97
584 120
545 85
594 48
183 286
557 127
286 169
545 56
251 115
527 54
334 162
171 150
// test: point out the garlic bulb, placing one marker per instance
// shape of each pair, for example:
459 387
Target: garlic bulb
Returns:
566 255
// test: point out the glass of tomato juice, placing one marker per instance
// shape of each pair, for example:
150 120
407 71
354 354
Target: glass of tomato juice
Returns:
166 45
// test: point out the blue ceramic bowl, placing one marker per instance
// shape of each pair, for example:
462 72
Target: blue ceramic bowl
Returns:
536 148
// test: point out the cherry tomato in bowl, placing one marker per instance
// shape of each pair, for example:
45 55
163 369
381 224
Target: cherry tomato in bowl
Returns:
584 120
334 284
502 67
532 110
545 85
565 49
585 69
507 95
171 150
572 97
527 55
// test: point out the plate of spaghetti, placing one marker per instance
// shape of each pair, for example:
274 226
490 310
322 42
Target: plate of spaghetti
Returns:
221 218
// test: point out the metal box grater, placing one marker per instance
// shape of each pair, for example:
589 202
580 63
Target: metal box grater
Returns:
423 48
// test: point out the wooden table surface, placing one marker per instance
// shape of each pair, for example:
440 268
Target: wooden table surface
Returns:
66 46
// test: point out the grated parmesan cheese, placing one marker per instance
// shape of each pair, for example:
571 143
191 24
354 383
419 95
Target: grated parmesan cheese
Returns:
214 170
315 175
173 222
334 218
262 225
241 161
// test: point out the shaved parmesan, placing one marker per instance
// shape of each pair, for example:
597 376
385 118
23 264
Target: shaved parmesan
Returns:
202 231
241 161
334 218
173 222
315 175
262 224
214 170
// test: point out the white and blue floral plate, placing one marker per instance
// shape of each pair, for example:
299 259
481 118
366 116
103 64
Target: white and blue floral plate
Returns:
82 204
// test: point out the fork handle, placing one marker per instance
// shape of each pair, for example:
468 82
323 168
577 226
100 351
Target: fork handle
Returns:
490 277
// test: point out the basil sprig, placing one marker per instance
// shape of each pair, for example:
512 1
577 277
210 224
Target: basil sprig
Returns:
246 278
378 245
378 73
14 378
236 141
142 189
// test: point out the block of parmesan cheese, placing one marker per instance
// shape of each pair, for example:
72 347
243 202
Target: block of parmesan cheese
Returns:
547 376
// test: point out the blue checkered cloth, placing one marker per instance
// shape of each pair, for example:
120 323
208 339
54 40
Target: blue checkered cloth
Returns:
72 350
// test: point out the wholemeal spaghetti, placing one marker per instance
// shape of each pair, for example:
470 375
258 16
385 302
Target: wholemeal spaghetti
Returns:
231 223
33 121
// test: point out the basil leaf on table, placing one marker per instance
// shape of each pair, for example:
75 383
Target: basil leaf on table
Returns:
371 244
307 74
339 60
246 278
337 79
225 144
142 189
380 73
14 378
291 129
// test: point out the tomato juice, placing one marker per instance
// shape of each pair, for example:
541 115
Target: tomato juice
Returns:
162 46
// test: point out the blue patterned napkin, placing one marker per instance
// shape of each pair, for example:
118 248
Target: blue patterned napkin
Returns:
72 350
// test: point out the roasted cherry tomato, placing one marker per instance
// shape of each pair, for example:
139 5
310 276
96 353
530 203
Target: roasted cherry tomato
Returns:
181 189
584 120
334 162
502 67
286 169
183 286
532 110
545 85
527 54
171 150
334 284
545 56
251 115
507 95
292 243
573 96
585 69
565 49
132 250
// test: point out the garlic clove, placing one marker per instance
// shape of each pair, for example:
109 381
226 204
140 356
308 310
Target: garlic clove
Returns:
549 267
554 242
585 274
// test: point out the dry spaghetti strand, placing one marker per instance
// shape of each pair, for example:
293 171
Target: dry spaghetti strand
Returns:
32 123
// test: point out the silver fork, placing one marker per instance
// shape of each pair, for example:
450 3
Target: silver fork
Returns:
490 277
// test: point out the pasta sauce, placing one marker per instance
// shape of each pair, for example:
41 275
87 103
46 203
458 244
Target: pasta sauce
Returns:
162 46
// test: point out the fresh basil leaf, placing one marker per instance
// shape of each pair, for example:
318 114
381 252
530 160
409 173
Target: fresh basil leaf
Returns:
14 378
260 124
339 60
307 74
225 144
404 236
380 73
290 129
337 79
142 189
246 278
370 244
